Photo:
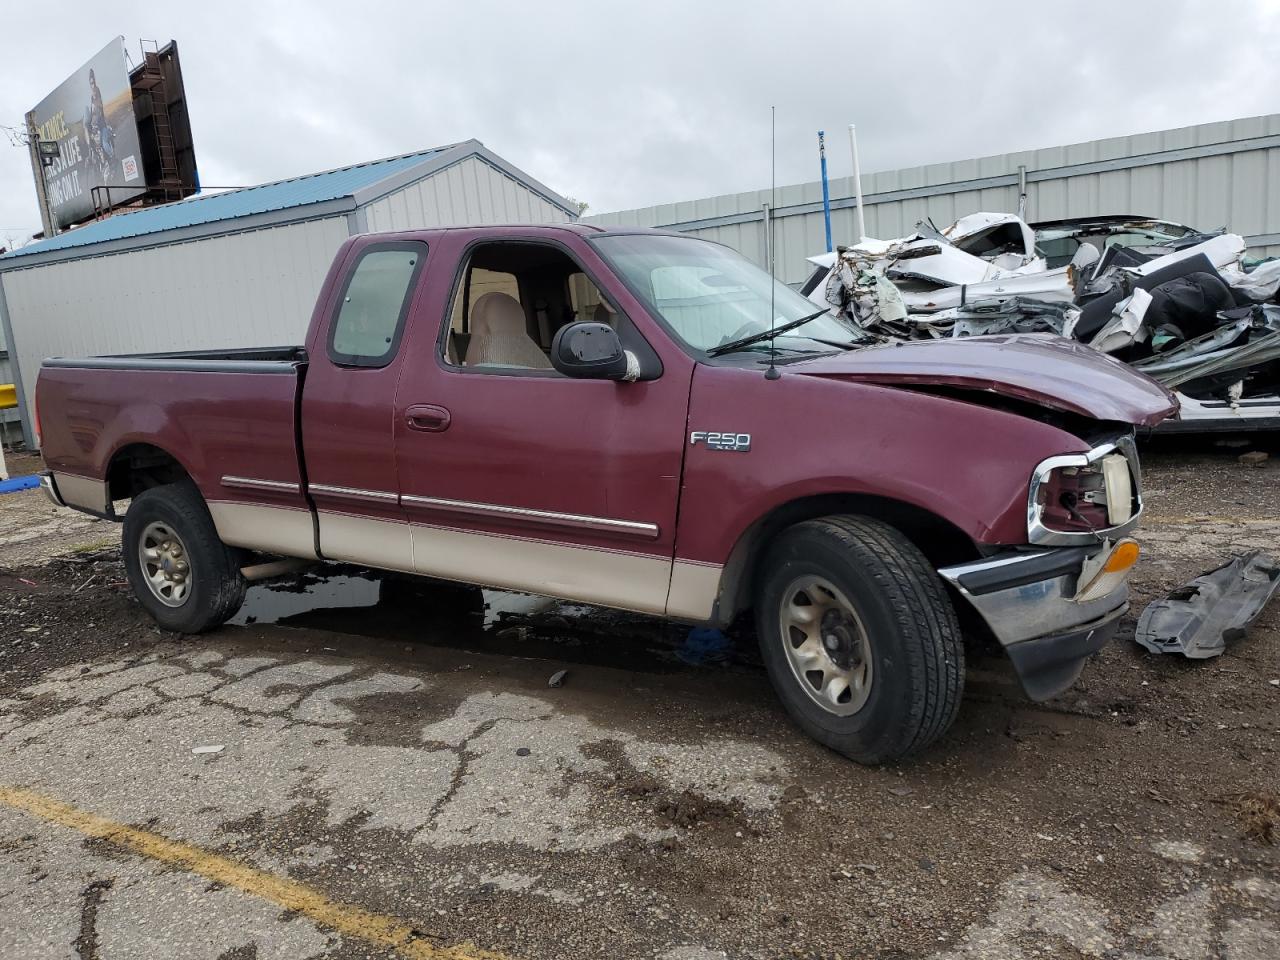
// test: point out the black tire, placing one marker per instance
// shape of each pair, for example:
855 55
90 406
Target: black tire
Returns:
916 653
215 588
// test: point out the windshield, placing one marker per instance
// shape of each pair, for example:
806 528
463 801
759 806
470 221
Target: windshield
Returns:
708 295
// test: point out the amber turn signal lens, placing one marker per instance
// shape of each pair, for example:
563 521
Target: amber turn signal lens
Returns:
1124 556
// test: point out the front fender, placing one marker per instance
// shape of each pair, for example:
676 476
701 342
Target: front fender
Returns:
966 463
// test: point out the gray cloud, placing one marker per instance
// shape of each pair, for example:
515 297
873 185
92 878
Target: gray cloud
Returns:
631 104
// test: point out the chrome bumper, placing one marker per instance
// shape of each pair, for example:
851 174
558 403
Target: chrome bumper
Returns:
1027 601
50 488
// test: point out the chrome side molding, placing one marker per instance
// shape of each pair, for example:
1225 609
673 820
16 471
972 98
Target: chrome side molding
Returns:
549 518
253 483
487 511
353 493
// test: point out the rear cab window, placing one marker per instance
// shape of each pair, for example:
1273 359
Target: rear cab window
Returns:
375 299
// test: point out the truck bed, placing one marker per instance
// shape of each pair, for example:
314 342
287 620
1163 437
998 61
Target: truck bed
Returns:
226 414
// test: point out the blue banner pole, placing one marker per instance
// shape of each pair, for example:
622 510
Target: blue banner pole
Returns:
826 193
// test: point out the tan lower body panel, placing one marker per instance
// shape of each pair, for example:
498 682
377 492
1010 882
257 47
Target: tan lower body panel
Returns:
281 530
83 492
365 540
628 581
694 587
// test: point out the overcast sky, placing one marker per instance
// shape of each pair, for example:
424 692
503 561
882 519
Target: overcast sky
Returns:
631 104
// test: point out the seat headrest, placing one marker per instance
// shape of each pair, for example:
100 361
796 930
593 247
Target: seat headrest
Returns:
497 314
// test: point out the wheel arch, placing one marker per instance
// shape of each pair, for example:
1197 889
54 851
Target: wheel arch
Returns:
138 466
941 541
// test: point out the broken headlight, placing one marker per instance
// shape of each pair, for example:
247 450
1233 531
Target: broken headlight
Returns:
1073 499
1080 498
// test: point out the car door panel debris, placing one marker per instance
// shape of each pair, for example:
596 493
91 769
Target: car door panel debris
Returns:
1199 620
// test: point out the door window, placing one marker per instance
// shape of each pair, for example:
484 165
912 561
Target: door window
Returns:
374 302
510 300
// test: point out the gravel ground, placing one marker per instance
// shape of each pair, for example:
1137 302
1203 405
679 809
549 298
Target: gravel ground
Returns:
400 751
32 529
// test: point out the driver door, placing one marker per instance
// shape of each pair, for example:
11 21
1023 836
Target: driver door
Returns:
525 479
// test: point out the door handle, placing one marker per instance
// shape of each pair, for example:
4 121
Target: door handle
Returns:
427 417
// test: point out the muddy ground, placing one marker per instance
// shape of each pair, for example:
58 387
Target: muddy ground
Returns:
400 751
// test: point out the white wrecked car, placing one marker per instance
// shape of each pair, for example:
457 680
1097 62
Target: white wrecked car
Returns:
1187 308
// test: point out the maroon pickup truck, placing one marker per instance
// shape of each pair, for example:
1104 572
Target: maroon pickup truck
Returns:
603 416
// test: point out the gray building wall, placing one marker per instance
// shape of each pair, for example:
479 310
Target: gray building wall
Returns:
12 416
468 192
245 287
1208 176
240 289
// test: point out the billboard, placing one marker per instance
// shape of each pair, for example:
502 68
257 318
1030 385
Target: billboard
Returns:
90 117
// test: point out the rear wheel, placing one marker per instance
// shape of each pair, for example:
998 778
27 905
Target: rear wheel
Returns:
183 575
859 638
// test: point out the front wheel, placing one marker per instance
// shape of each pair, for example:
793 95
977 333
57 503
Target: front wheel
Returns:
859 638
181 573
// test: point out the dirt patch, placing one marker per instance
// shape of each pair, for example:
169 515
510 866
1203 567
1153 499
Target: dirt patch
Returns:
1258 813
688 810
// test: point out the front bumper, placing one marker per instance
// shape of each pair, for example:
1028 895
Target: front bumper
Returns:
1028 600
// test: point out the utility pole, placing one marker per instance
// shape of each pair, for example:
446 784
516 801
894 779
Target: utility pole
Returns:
37 171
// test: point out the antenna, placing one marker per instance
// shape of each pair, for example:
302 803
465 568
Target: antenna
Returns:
772 373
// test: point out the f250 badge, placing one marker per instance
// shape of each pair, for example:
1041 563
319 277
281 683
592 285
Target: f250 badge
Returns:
736 442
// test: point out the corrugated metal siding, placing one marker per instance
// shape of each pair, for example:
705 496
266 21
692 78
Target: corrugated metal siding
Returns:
1239 189
6 376
469 192
248 289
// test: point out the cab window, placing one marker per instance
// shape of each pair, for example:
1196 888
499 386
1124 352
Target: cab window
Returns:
375 299
511 299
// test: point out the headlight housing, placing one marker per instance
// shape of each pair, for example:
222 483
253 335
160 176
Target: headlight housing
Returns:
1084 498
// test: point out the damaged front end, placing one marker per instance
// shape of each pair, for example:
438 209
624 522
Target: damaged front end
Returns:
1188 309
1053 605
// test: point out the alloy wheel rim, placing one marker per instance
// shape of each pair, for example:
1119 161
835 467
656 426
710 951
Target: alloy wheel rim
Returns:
826 644
165 566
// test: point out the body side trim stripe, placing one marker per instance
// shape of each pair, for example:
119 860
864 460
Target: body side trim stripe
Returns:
570 521
353 493
254 483
524 538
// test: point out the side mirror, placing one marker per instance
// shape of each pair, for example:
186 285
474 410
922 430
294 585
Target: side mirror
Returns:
589 351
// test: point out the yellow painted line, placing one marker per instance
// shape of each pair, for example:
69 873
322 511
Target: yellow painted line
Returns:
1174 521
346 919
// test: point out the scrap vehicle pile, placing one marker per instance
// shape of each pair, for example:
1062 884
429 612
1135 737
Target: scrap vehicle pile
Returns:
1189 309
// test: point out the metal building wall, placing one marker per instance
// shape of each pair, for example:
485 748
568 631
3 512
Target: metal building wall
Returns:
6 376
469 192
244 289
1208 176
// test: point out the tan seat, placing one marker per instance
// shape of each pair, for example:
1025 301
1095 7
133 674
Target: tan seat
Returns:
499 336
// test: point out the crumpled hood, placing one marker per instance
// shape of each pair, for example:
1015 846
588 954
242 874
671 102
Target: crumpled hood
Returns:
1040 368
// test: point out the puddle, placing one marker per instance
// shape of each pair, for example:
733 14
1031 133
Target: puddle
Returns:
273 602
409 610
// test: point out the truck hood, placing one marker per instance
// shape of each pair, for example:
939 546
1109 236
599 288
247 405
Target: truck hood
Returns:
1047 370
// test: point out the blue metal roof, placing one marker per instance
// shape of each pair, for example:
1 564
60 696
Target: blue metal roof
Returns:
202 209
